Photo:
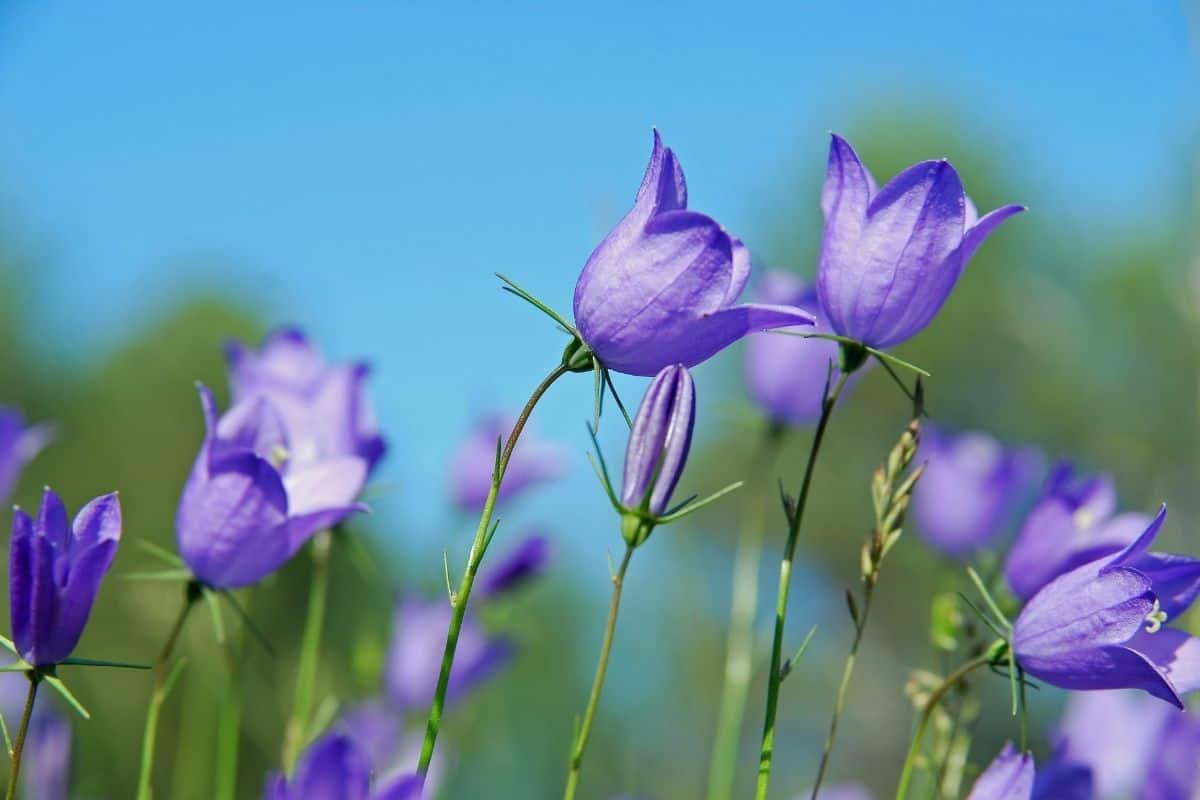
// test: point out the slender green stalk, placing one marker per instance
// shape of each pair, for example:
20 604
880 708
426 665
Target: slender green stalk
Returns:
743 607
860 625
229 716
310 652
19 744
589 715
775 678
162 669
927 713
474 558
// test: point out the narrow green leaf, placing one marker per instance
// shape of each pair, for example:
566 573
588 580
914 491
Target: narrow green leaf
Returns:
60 687
512 287
77 661
8 645
214 610
699 504
159 552
158 575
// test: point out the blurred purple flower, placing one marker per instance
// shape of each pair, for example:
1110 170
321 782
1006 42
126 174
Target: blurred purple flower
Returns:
377 729
1010 776
662 286
969 490
1100 627
415 654
334 768
1073 523
526 561
891 256
55 570
1174 773
533 461
785 375
660 440
246 508
1061 779
324 407
46 764
18 446
1115 734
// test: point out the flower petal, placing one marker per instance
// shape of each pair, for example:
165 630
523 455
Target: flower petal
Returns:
979 230
1010 776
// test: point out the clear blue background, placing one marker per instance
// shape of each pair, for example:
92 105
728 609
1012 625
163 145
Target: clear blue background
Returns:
361 169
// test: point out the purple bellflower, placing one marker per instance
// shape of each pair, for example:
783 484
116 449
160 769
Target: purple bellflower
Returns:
1010 776
246 507
1062 779
55 570
377 729
324 407
662 288
1174 774
335 768
18 445
533 461
1073 523
969 490
1116 735
46 764
786 375
891 256
526 561
1100 626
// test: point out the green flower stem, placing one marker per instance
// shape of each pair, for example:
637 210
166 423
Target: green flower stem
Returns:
860 625
743 606
927 713
589 715
19 745
460 598
229 716
310 651
162 669
775 678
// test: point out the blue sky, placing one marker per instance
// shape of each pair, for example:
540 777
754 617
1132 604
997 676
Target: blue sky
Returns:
363 168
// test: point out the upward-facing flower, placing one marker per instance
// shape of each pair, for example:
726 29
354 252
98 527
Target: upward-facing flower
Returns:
659 442
1009 777
324 407
247 507
786 375
55 570
19 443
1073 523
533 461
890 256
969 490
662 287
335 768
1100 626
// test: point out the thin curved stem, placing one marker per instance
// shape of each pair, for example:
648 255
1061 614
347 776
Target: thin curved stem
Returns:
743 606
474 558
19 744
860 625
775 678
310 651
589 715
927 713
193 591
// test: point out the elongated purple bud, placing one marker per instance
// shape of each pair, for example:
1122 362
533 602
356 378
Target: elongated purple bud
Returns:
659 441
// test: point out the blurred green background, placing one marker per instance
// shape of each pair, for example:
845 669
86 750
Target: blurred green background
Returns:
1079 334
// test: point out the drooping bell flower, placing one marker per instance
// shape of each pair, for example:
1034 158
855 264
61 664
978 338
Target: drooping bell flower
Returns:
526 561
246 508
414 657
663 286
1073 523
786 375
970 489
55 570
1116 735
1101 626
19 443
890 256
658 448
335 768
533 461
376 727
1010 776
324 407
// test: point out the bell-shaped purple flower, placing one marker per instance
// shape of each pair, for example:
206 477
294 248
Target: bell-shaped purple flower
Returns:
247 507
1060 779
1073 523
19 444
324 407
526 561
377 729
891 256
662 288
1010 776
1100 626
660 440
786 375
55 570
970 489
533 461
46 763
1174 772
1115 735
335 768
414 656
